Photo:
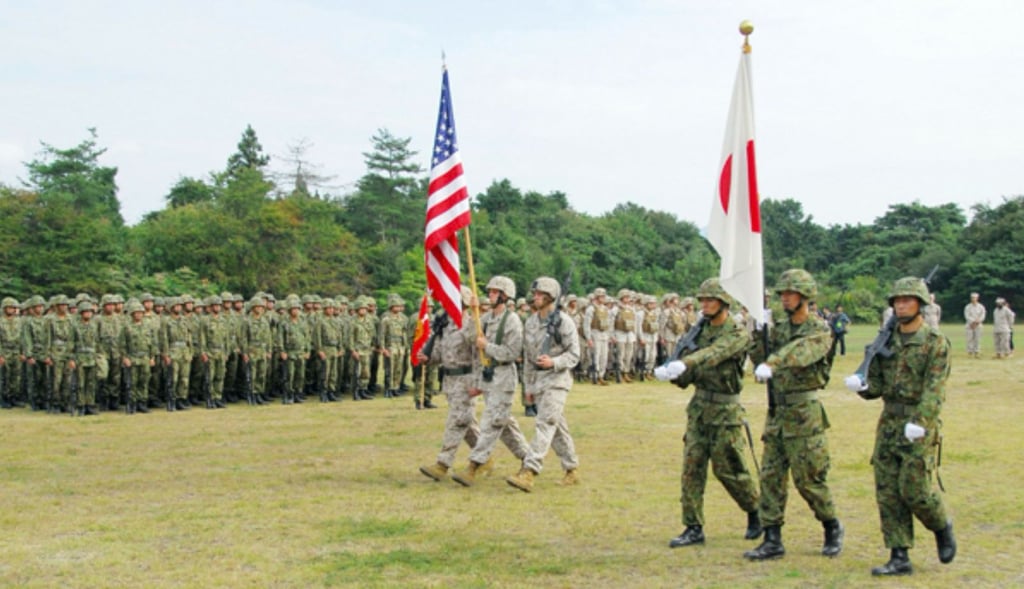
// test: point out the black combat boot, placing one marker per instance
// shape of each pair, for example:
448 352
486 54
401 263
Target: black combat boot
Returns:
899 564
142 407
770 548
834 532
429 405
418 405
180 405
946 543
218 404
691 535
753 526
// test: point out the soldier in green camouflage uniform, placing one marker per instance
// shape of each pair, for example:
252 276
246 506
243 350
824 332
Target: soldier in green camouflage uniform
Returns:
362 348
327 341
109 324
10 354
293 348
176 349
714 415
218 342
257 343
35 345
61 329
912 383
797 365
140 346
392 340
86 361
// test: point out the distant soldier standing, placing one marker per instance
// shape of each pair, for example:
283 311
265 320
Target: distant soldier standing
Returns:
256 341
86 361
625 333
218 342
1002 327
109 324
35 345
932 312
61 330
912 383
714 415
293 348
501 343
176 349
10 354
392 340
797 364
597 328
974 315
551 349
363 337
647 335
140 346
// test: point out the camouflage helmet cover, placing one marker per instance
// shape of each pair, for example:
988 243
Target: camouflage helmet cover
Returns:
135 307
909 286
10 302
548 286
85 306
257 302
466 295
214 300
799 281
503 284
712 289
600 292
395 300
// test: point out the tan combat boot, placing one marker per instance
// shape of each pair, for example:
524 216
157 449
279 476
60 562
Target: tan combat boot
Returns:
570 478
523 480
487 468
602 382
466 476
435 471
626 378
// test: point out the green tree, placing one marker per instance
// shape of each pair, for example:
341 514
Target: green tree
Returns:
249 155
188 191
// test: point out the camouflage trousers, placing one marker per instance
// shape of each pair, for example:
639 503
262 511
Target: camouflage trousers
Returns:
1002 343
551 431
648 351
973 339
461 423
393 366
599 354
807 458
294 373
497 422
217 365
181 366
905 486
11 376
724 447
85 389
140 371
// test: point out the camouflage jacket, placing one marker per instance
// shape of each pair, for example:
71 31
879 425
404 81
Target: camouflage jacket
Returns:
716 367
392 330
10 337
109 327
35 337
503 354
176 337
218 340
914 377
363 334
85 342
453 346
293 337
139 341
60 331
257 336
564 350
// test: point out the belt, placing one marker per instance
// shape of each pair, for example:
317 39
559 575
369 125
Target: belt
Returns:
794 398
178 344
899 409
458 371
501 363
331 344
59 342
87 350
716 397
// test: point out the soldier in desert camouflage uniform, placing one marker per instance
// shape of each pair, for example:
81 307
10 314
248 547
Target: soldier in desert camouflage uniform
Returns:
974 315
597 328
501 342
550 352
797 363
714 415
912 383
454 350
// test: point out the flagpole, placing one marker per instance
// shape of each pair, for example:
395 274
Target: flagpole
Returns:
472 286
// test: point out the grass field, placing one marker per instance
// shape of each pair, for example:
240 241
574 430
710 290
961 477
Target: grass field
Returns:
330 495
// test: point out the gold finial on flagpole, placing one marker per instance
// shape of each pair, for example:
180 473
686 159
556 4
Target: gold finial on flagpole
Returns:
746 27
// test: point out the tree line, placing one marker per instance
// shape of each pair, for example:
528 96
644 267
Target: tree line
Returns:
251 227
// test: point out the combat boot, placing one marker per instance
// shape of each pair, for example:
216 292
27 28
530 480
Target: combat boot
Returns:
626 378
418 405
523 480
436 471
834 532
899 564
88 410
467 476
754 529
602 382
946 543
487 468
570 478
141 407
690 536
428 405
770 548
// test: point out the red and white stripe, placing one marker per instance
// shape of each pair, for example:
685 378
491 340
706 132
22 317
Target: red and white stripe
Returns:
447 212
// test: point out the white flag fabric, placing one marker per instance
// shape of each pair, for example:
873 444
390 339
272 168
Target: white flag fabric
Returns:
735 227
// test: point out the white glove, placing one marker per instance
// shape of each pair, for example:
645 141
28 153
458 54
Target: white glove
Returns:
676 368
661 373
763 372
913 432
855 384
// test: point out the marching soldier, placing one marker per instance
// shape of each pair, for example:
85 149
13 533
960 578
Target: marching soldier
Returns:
797 363
912 383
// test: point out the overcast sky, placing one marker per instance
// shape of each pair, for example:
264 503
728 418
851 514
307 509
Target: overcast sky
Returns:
858 104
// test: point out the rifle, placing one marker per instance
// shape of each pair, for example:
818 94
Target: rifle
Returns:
247 372
553 325
73 392
687 343
126 386
169 385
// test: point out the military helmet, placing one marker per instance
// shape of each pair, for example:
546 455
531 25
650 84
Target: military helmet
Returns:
520 301
395 300
270 297
227 296
686 302
9 302
466 295
135 307
146 297
361 302
186 298
257 302
214 300
159 301
341 300
503 284
600 292
712 289
909 286
548 286
59 300
117 299
571 299
36 300
624 292
330 303
85 306
306 299
294 304
799 281
175 301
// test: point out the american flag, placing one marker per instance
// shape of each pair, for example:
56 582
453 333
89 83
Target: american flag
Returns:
447 211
